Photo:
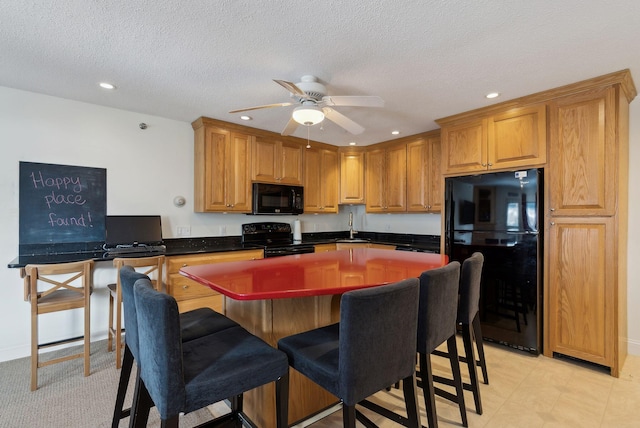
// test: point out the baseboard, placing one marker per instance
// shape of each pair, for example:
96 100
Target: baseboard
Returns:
22 351
633 347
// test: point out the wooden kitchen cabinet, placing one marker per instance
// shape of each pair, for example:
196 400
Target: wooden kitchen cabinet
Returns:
352 177
321 169
586 188
515 138
321 248
424 177
276 161
191 295
582 291
583 154
386 179
221 169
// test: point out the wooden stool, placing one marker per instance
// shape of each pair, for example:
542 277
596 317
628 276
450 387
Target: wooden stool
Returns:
52 288
146 265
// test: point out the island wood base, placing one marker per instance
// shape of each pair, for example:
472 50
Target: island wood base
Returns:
272 320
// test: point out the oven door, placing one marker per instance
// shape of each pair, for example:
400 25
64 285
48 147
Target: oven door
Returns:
277 199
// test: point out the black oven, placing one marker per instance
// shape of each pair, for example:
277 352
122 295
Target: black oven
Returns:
276 239
277 199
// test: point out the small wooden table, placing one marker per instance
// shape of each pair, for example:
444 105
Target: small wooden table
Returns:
280 296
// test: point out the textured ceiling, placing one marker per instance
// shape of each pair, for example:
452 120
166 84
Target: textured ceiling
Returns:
426 58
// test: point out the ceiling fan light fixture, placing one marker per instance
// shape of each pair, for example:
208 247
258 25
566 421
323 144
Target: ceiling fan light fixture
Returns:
308 115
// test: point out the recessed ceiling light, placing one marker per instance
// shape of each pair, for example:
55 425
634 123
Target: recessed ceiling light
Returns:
395 132
352 143
492 95
245 117
105 85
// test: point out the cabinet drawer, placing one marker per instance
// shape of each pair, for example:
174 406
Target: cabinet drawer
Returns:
183 288
175 263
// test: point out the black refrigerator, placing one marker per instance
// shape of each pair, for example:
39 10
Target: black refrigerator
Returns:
498 214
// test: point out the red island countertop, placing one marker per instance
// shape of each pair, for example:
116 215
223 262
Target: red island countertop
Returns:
313 274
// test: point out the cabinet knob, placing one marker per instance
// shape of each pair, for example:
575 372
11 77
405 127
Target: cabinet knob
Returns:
184 265
483 164
490 164
552 209
553 223
184 287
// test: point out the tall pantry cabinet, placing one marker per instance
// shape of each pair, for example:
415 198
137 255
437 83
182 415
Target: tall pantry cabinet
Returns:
586 227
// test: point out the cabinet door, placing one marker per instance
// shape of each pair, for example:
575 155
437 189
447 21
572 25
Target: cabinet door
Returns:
517 138
352 178
436 183
374 181
320 181
238 176
581 289
264 160
395 193
582 153
290 159
464 147
329 182
211 151
423 176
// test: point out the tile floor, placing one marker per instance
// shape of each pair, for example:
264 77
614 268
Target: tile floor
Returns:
528 391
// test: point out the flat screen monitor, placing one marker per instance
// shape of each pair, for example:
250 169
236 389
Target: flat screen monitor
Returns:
132 230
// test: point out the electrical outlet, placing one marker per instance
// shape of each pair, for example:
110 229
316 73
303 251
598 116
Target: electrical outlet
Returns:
223 230
387 227
183 230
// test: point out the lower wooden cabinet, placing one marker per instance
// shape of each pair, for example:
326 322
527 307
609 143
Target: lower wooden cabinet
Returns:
582 298
191 295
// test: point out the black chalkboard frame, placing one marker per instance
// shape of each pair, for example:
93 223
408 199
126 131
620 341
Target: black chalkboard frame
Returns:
62 207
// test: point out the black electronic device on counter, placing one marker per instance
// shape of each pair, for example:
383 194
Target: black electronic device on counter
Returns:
133 233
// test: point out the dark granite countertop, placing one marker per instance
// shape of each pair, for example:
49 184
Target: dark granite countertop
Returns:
185 246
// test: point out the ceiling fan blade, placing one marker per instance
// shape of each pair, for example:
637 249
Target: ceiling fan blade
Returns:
259 107
354 101
342 121
290 127
291 87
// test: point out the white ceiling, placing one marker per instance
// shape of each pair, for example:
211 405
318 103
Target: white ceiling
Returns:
426 58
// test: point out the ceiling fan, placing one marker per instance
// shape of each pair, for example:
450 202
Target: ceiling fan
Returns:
315 105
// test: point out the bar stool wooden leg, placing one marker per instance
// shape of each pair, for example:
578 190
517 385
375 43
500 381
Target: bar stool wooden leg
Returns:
34 349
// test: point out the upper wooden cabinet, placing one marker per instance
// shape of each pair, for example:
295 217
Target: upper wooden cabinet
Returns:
352 177
503 140
424 179
320 180
582 154
386 179
275 161
222 179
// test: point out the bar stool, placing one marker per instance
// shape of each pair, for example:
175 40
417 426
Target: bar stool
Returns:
469 321
372 347
53 288
148 266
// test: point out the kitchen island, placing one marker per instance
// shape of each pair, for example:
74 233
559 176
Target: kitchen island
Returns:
280 296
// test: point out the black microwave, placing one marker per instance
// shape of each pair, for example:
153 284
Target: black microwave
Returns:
277 199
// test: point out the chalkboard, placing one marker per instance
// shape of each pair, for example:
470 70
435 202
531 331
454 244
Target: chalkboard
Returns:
62 203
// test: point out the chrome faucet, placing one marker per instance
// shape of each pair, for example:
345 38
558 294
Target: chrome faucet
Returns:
351 231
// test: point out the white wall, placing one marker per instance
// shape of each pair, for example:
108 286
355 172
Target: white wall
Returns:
145 171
